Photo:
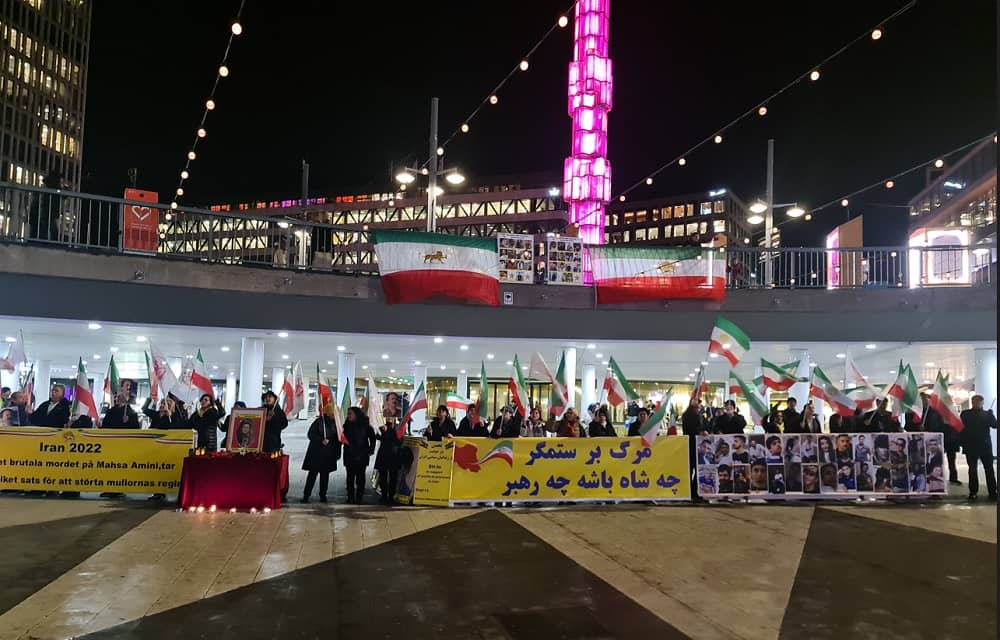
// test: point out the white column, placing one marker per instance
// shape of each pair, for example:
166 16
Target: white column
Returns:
986 383
462 389
800 390
230 397
9 379
43 380
251 371
569 378
346 363
588 386
419 417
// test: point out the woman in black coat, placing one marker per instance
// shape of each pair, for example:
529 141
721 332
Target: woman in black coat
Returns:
442 425
166 417
387 462
359 448
206 422
322 454
276 423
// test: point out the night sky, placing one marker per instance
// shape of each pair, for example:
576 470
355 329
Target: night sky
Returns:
346 86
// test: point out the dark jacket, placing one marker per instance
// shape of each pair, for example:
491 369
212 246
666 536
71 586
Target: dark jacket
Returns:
692 423
793 421
273 428
207 426
730 423
58 417
879 422
320 457
156 421
360 442
23 419
633 429
562 428
509 429
975 436
437 430
122 417
466 430
387 457
595 430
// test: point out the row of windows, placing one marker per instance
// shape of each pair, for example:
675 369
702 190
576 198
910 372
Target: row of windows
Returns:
55 139
664 213
47 56
953 184
665 232
34 77
60 24
22 175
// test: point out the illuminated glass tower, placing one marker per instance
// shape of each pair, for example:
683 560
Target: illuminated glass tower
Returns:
44 47
587 173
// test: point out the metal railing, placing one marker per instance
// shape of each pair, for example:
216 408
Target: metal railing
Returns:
94 223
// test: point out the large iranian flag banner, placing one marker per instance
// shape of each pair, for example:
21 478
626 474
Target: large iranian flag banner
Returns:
627 274
416 266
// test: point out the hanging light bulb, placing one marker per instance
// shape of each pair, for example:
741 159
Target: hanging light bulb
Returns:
223 71
237 28
649 180
201 132
494 99
210 104
173 205
621 198
718 139
440 151
814 75
563 21
180 191
844 202
939 163
524 65
465 127
876 34
682 162
185 174
890 184
762 111
192 155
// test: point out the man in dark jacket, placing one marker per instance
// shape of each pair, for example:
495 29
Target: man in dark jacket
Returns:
276 423
793 419
507 425
19 402
635 428
978 445
730 422
442 425
121 415
466 428
54 412
880 420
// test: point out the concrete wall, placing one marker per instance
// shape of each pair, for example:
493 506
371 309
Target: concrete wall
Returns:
54 283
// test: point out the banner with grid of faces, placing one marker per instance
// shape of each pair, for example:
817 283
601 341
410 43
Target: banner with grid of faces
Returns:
817 465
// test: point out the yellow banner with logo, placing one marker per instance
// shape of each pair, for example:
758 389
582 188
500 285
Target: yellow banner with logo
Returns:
98 460
570 469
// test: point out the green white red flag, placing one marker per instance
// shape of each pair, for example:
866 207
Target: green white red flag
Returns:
651 428
627 274
519 390
558 399
734 386
820 386
287 393
728 341
340 415
700 384
482 410
323 391
417 402
457 402
906 393
83 398
200 378
415 266
940 400
758 406
865 395
617 385
111 381
776 377
152 379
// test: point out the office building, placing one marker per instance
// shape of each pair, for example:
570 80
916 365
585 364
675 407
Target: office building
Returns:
698 218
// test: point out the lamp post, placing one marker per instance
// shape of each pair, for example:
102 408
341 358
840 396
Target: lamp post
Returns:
766 207
408 174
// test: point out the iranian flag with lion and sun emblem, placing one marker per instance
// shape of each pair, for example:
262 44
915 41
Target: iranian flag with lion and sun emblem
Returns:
628 274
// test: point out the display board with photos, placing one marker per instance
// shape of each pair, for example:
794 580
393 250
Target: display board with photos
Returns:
564 261
820 465
517 258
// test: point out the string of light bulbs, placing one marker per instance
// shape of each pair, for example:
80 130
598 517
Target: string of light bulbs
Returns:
235 29
493 97
760 108
889 182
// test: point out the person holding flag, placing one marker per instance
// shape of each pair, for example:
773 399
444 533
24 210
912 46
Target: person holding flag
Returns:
357 452
940 416
276 422
83 398
322 454
471 426
387 460
205 422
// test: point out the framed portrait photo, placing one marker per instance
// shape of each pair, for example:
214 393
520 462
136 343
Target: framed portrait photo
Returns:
246 430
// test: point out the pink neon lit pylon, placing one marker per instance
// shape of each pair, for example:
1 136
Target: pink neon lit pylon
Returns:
587 173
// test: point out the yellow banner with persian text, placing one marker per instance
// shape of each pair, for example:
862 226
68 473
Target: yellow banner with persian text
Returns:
98 460
570 469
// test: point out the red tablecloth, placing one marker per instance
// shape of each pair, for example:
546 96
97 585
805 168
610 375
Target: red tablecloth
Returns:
240 482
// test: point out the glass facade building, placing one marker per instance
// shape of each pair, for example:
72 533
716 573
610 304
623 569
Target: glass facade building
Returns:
701 218
44 48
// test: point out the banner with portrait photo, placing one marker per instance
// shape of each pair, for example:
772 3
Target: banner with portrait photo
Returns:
819 465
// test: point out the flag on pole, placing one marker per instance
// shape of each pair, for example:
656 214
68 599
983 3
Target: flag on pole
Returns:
865 395
617 386
340 416
288 393
28 386
457 402
200 378
700 386
83 399
734 387
154 396
417 402
940 401
651 428
776 376
539 370
373 404
820 386
519 390
161 370
299 394
483 401
758 406
323 392
111 381
728 341
15 355
905 392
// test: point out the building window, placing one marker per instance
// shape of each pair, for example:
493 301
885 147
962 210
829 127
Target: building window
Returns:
718 226
666 231
706 208
640 216
640 234
678 231
655 215
702 228
691 229
668 213
653 233
719 206
690 210
629 217
628 235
